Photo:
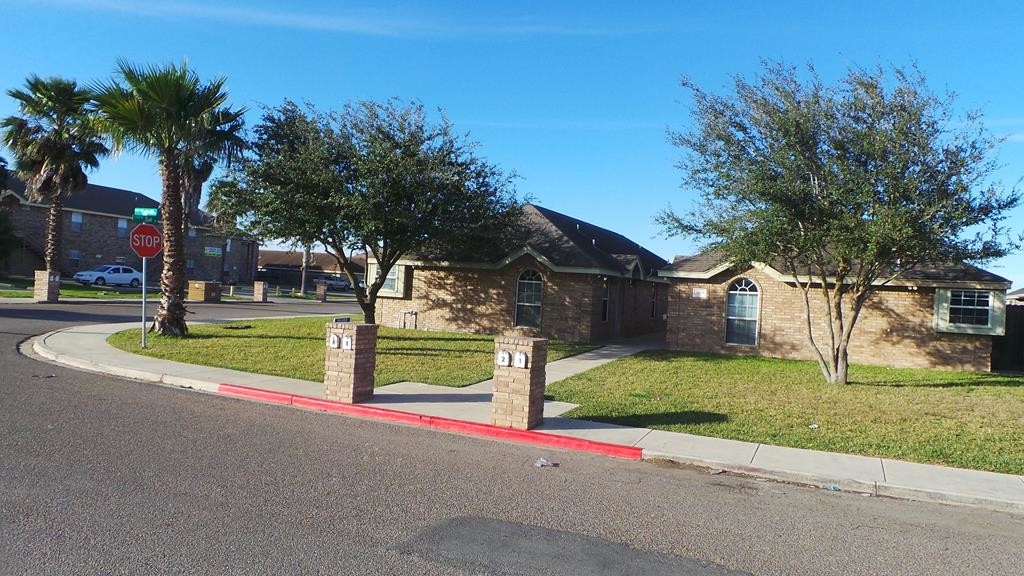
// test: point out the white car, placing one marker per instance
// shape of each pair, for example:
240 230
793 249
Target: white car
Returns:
110 274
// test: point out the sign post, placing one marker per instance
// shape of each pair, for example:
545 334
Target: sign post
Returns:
146 242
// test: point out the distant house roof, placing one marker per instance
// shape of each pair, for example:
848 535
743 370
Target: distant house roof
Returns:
292 260
713 262
1016 294
568 244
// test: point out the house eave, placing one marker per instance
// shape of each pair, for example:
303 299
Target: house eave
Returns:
516 255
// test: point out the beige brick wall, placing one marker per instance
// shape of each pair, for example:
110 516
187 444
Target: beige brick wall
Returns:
348 373
894 329
518 400
483 302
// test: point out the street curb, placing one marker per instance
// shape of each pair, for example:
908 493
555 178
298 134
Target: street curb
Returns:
40 349
848 485
435 422
529 437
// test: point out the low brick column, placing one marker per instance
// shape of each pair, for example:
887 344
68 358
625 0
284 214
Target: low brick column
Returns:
519 364
349 362
259 291
47 286
321 291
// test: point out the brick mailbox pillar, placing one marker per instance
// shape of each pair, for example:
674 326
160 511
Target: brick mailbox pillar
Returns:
519 364
259 291
349 363
47 286
321 291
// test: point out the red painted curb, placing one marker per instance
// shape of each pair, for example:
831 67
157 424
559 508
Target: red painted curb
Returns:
255 393
436 422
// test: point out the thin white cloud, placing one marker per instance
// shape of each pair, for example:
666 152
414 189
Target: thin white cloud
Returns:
1015 137
291 19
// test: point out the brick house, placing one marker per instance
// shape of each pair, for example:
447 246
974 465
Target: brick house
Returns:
935 317
567 279
285 266
1016 297
97 221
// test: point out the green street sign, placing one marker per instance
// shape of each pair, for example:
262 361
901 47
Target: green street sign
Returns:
146 215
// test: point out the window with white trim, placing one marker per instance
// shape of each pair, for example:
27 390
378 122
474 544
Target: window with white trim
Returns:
191 231
390 280
74 258
395 283
122 227
741 313
969 307
970 311
654 300
227 245
529 288
76 221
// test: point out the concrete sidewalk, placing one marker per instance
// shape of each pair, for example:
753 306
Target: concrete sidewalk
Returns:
85 347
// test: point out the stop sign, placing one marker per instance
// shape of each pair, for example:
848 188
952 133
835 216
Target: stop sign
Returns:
146 240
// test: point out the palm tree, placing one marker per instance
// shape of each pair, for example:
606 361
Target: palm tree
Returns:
168 112
54 140
197 166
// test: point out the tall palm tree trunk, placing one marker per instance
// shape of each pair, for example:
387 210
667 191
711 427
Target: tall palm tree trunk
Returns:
170 317
54 232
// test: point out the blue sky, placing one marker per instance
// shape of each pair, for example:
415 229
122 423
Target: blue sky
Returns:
576 97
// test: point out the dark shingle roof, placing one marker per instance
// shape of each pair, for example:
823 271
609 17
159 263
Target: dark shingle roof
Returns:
934 273
563 241
568 241
698 263
103 199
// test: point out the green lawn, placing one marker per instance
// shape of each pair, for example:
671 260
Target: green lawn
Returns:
968 420
295 348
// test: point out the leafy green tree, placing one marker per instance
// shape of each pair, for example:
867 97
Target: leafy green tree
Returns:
379 178
846 186
169 113
55 139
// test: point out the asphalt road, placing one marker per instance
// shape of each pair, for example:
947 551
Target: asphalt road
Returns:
106 476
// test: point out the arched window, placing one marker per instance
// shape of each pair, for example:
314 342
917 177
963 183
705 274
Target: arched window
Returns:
741 316
528 292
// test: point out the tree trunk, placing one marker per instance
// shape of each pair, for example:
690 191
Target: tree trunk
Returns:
170 316
305 266
369 314
54 233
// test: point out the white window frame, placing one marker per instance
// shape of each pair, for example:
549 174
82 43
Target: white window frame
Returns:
75 258
122 227
192 232
746 286
227 245
77 221
539 305
996 313
397 273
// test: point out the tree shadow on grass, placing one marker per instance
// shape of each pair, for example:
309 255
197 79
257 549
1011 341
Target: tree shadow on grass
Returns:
658 419
976 381
468 338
